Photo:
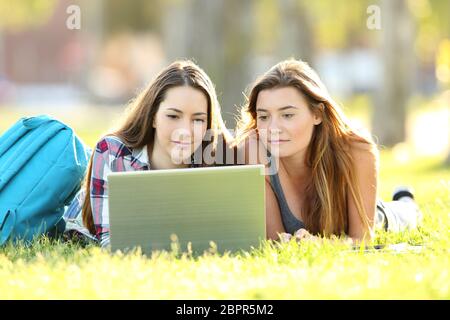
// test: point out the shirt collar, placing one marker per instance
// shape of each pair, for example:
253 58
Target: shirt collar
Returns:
141 155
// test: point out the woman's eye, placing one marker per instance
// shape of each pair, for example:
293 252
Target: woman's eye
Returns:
172 116
199 120
262 118
288 115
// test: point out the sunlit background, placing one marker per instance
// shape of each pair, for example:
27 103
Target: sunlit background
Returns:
387 62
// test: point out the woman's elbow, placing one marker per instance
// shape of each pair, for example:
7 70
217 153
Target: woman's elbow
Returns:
362 236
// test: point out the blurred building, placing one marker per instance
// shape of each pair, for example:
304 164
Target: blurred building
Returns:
43 63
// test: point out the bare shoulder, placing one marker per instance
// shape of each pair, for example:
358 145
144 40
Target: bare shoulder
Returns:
364 154
362 146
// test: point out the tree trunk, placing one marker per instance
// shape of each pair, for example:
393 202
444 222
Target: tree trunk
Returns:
238 48
176 27
208 32
389 115
92 33
295 31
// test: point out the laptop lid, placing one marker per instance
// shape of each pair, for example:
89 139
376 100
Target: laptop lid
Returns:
225 205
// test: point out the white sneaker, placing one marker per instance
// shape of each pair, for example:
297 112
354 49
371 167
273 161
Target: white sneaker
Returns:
403 193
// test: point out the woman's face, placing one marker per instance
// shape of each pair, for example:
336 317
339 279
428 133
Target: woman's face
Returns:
181 122
284 121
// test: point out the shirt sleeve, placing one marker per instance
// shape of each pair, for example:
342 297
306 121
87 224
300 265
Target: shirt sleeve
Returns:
99 190
109 156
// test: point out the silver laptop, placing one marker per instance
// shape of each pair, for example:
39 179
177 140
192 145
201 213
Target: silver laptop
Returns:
225 205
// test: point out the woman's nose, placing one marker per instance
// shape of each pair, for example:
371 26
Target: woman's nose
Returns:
274 128
182 133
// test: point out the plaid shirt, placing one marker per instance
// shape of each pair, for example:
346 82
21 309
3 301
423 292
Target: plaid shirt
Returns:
110 155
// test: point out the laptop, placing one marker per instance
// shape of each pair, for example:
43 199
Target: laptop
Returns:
224 205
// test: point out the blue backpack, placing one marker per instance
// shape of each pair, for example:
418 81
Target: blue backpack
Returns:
42 164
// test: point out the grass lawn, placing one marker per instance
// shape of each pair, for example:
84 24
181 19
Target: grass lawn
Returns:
289 271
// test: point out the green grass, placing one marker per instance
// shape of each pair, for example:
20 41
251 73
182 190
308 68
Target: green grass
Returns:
54 269
59 270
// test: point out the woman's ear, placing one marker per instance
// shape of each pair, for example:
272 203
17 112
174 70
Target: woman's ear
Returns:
318 114
317 119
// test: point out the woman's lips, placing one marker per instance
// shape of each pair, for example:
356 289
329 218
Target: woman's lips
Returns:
277 141
181 143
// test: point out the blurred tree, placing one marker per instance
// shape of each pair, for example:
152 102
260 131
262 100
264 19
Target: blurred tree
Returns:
296 34
235 40
433 26
193 29
20 14
136 15
218 36
398 30
239 43
175 28
336 25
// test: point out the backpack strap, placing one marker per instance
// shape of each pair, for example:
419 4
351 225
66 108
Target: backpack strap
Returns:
7 223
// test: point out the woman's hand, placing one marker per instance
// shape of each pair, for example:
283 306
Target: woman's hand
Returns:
284 237
299 235
304 235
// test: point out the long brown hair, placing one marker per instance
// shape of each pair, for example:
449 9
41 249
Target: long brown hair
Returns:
137 131
333 175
